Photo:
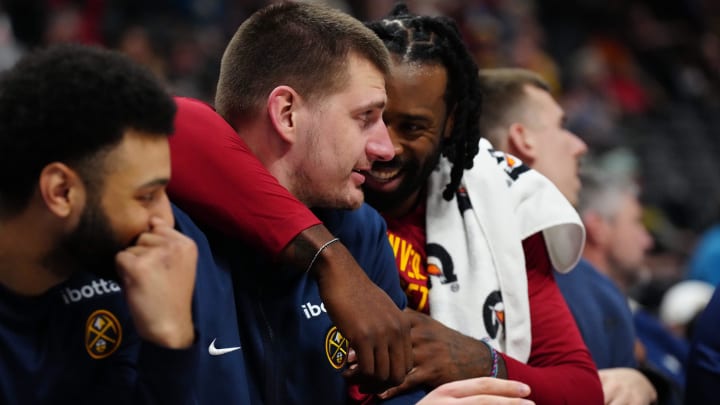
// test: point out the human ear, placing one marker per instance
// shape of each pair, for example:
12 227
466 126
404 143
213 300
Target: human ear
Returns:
282 107
596 228
61 189
522 143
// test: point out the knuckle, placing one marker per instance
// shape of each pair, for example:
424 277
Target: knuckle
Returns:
397 378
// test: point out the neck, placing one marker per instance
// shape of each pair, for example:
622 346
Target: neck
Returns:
24 243
273 154
599 260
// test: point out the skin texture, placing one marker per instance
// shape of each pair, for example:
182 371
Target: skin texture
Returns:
479 391
617 245
630 241
338 138
539 138
127 217
158 267
417 126
321 151
443 355
626 386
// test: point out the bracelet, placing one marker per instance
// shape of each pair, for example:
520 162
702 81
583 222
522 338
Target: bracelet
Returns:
494 354
325 245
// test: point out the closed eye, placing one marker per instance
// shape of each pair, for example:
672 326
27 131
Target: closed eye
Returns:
150 196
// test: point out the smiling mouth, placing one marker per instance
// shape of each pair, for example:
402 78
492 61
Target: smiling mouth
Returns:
385 175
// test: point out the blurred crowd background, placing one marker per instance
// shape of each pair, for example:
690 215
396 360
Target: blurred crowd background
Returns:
639 80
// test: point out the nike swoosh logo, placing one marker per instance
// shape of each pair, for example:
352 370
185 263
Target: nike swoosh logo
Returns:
214 351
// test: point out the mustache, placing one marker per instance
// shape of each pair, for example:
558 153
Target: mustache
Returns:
395 163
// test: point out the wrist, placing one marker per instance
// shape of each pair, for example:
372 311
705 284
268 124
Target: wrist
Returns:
494 358
320 252
172 335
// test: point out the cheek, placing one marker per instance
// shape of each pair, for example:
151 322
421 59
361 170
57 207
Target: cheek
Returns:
629 243
423 149
129 223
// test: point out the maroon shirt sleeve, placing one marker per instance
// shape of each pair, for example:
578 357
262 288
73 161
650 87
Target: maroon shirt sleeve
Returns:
220 183
560 369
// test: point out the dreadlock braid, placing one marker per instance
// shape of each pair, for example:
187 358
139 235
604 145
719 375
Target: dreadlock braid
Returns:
437 40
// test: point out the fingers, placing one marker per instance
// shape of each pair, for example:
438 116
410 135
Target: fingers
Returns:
407 345
486 386
403 362
365 358
626 386
484 400
386 357
382 364
158 274
482 390
412 380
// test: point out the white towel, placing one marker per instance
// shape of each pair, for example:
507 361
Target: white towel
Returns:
481 290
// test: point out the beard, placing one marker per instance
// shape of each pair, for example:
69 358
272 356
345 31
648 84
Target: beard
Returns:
91 247
415 176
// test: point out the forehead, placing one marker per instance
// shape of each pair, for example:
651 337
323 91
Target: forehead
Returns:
363 74
415 87
138 158
365 84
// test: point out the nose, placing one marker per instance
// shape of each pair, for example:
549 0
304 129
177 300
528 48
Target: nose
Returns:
647 240
397 145
379 146
580 145
162 209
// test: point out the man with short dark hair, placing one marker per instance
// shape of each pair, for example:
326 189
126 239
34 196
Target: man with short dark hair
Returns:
84 161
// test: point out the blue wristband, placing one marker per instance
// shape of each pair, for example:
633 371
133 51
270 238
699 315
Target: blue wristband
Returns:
494 354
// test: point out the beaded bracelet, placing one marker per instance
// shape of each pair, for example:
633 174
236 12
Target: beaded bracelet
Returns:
494 354
326 244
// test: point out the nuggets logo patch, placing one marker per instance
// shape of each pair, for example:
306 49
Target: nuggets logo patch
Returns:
336 348
103 334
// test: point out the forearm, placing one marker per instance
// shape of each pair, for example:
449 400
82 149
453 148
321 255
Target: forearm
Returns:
310 251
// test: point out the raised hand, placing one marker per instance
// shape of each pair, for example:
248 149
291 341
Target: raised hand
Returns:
158 275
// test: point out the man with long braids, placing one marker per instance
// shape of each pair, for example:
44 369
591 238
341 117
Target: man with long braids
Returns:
475 232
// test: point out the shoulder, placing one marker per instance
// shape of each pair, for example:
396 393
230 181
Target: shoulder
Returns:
196 117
